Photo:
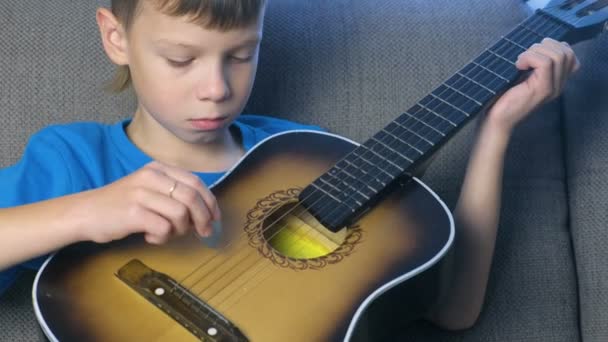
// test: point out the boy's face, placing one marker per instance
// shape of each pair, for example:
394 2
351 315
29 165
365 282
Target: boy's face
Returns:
193 81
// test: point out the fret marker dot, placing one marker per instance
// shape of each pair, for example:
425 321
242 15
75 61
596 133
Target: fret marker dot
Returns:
212 331
159 291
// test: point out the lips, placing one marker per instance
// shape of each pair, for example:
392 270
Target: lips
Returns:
208 124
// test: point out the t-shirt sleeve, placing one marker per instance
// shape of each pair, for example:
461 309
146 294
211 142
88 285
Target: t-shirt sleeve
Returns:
41 173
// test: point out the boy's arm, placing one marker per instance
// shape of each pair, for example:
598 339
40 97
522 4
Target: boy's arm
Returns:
32 230
478 208
476 218
157 200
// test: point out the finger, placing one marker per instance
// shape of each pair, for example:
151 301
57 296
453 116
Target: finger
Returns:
193 181
172 210
560 54
557 60
198 211
542 67
192 192
156 229
574 62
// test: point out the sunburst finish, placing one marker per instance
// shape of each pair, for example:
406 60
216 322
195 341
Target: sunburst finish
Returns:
79 298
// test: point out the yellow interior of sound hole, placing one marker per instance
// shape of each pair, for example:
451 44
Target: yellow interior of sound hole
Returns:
297 234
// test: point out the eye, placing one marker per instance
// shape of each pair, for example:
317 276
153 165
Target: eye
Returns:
179 64
241 59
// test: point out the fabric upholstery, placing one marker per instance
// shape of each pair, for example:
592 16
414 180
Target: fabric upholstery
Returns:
352 66
586 124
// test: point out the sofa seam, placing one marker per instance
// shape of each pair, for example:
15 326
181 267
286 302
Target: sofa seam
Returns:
564 151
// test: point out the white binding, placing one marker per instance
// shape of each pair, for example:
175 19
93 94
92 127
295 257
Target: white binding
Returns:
49 334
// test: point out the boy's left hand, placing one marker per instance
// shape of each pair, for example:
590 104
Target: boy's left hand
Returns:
552 62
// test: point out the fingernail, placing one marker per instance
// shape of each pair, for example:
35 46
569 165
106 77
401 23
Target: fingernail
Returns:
207 232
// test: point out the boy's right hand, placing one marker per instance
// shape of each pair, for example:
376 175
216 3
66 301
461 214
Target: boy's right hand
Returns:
157 200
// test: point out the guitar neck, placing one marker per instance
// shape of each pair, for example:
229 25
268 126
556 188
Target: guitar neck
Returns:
361 177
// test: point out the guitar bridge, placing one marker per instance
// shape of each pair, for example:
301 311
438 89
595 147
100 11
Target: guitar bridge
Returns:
176 301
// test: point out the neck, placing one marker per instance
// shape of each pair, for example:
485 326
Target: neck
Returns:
215 154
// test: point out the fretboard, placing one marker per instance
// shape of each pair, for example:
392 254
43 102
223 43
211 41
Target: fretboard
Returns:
363 176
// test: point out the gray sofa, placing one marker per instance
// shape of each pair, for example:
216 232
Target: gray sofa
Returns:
352 66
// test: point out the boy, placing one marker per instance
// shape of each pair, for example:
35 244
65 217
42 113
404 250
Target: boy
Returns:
192 65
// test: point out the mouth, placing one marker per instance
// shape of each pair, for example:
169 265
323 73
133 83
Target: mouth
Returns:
208 124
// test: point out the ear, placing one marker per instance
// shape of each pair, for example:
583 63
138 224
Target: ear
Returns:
113 36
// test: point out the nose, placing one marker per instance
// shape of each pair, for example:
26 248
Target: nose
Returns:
213 84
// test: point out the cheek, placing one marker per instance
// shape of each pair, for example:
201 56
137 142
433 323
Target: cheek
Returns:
242 78
157 86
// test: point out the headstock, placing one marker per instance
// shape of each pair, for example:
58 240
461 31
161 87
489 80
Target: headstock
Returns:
586 17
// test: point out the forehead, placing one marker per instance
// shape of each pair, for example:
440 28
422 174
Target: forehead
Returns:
153 21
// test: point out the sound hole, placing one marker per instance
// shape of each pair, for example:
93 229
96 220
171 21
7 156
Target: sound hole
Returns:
295 233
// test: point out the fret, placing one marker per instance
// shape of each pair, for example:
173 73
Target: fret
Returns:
391 150
348 194
395 126
472 89
514 43
483 77
384 180
547 26
532 31
491 71
380 160
363 196
333 194
409 139
404 146
523 37
431 103
462 94
501 57
422 129
333 186
460 100
507 50
494 64
325 192
356 180
466 115
397 161
477 83
365 178
351 194
407 160
321 203
403 120
441 117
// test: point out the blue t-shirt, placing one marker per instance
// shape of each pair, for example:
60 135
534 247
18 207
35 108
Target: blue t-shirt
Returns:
70 158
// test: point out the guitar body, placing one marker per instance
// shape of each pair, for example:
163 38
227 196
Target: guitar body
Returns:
386 265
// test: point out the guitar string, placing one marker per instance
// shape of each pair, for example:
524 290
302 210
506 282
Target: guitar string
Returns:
271 225
473 77
363 156
237 288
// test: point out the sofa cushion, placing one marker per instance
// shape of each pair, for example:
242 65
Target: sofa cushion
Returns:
351 66
53 70
355 65
586 127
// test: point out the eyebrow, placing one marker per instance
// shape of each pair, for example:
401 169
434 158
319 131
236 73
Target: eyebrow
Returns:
246 43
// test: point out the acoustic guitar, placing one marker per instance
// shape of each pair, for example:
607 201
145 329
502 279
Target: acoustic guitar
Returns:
320 235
